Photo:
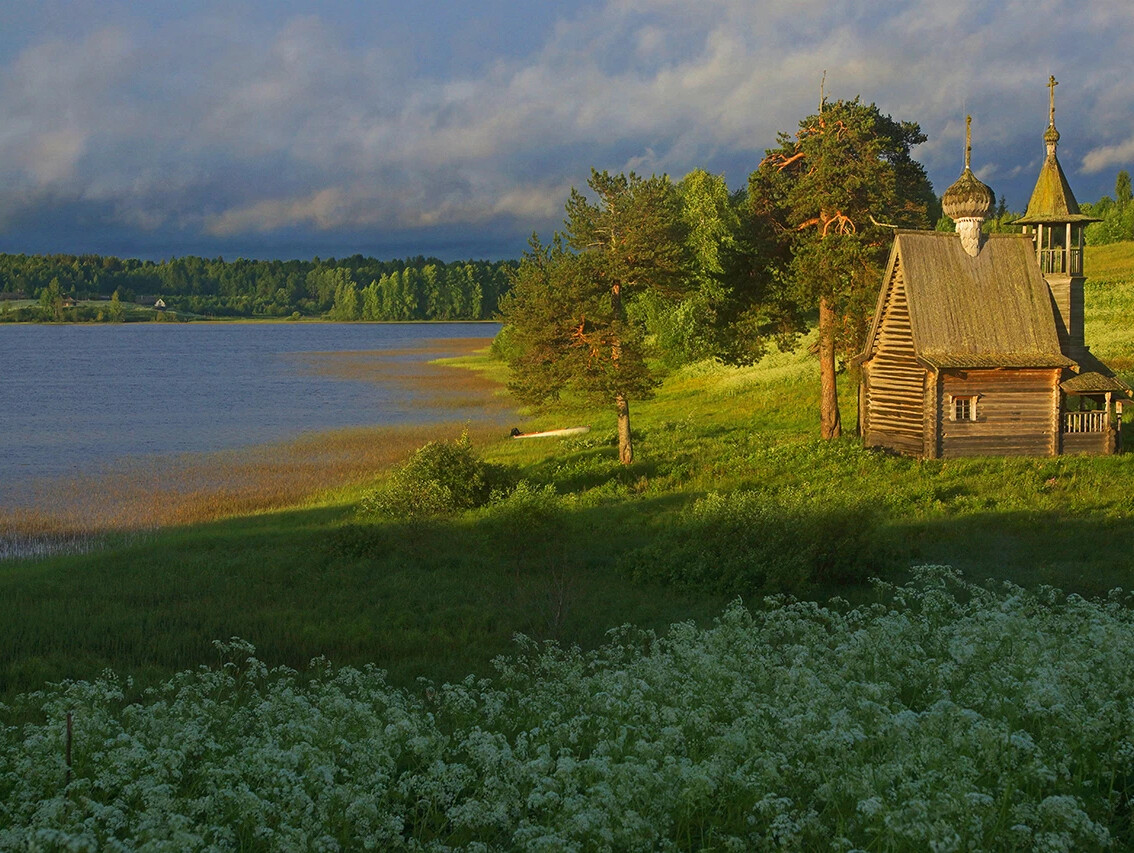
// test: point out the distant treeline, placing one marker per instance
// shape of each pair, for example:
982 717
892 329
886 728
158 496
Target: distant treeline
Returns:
354 288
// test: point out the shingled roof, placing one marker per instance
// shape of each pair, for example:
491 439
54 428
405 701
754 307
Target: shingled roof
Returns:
991 310
1094 377
1052 199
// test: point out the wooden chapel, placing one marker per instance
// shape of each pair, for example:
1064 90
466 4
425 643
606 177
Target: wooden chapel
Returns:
977 344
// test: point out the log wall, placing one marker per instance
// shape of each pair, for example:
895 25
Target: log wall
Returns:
895 383
1091 443
1017 412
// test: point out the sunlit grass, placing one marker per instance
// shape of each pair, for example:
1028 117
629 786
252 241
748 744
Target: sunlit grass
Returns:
1109 309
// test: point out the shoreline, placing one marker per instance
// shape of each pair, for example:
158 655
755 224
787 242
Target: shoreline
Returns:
178 319
73 513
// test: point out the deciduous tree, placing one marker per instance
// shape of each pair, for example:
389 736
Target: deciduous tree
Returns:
116 313
51 300
1122 189
692 329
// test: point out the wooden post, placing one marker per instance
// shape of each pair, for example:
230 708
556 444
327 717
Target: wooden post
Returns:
1059 404
1117 426
1110 436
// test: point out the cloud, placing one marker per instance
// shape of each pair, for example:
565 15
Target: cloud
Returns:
252 120
339 207
1108 156
324 209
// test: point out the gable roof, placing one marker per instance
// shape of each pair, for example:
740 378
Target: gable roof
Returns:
992 310
1094 377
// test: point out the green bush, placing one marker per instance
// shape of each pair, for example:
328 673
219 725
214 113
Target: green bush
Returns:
525 520
752 542
441 477
504 346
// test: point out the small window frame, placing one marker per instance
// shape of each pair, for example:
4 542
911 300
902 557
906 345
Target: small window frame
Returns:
963 407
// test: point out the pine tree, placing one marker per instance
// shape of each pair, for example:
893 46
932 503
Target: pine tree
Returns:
568 307
833 189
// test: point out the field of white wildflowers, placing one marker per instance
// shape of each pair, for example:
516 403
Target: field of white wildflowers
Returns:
950 718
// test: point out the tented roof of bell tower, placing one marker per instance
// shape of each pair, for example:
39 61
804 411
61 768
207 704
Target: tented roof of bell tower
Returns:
1052 199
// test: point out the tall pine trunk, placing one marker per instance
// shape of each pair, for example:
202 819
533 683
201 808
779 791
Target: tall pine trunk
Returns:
621 404
625 448
830 425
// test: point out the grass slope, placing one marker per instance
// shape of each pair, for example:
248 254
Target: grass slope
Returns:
441 598
1109 298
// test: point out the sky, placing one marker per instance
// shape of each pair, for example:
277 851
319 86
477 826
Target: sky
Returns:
456 128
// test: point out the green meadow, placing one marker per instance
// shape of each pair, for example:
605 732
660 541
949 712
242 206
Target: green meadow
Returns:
705 661
730 496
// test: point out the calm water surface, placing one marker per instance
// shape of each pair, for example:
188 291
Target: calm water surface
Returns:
74 399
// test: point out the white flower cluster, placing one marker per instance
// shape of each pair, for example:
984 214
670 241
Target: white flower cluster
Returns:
949 718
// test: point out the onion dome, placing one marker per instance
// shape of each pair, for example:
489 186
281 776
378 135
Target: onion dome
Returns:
969 197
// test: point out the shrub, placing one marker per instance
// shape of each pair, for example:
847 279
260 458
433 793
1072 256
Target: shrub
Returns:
524 520
504 346
752 542
441 477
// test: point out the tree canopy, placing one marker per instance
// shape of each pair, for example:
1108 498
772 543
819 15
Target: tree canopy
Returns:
833 193
569 311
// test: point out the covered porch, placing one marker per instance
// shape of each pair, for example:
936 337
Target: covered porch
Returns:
1091 423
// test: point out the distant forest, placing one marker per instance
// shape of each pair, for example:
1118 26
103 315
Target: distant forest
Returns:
354 288
420 288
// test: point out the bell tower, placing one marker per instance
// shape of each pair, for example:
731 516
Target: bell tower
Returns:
1056 225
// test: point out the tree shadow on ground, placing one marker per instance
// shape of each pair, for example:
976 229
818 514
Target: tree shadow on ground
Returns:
1078 554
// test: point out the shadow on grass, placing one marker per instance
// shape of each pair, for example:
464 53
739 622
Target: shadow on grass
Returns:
436 599
440 598
1087 555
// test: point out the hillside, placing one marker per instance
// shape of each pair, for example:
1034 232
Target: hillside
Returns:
1109 297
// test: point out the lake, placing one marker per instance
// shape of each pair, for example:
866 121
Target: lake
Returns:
75 399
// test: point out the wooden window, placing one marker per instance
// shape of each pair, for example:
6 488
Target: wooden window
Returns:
965 407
